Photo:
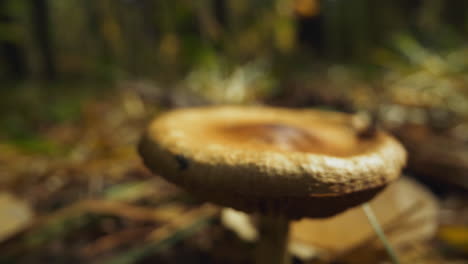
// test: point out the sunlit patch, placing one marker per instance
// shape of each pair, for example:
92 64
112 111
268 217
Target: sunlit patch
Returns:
286 137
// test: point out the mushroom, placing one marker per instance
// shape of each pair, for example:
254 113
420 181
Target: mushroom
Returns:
406 210
282 164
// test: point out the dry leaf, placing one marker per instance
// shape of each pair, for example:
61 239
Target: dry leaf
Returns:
15 215
406 211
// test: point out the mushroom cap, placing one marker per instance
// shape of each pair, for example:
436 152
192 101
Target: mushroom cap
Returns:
301 163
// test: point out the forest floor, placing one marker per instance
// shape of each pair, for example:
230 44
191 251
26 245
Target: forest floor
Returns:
71 176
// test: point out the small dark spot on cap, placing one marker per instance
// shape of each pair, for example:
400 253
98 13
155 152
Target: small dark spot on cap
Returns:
182 161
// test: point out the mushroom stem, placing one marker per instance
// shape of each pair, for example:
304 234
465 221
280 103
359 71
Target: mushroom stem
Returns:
272 247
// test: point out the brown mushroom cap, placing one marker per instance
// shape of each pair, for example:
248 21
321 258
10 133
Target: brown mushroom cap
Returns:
272 160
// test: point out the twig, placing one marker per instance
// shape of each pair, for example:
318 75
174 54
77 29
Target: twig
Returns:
168 235
112 241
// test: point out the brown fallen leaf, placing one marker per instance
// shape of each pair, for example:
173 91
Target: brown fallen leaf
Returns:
15 215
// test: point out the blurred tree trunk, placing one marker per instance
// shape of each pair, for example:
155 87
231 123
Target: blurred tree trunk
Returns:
95 22
42 35
209 28
356 29
386 18
430 15
10 50
456 14
332 17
